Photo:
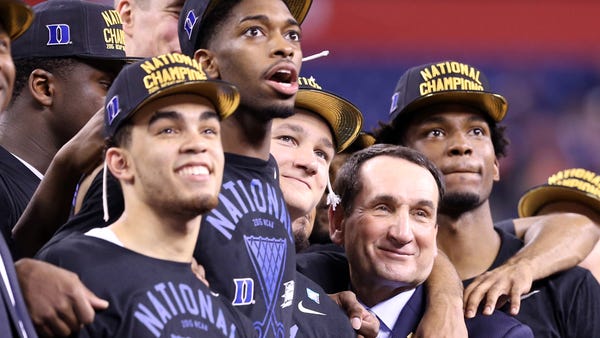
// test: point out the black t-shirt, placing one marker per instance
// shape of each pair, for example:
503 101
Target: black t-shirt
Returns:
315 314
91 213
246 245
327 266
148 297
17 185
566 304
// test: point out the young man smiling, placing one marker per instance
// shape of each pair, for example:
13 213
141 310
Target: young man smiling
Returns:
166 191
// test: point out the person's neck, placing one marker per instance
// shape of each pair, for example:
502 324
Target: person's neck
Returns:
28 138
162 235
469 240
372 292
245 135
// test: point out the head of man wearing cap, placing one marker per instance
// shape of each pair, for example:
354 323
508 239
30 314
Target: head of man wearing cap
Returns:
447 111
166 104
304 145
15 18
254 44
570 190
150 26
65 63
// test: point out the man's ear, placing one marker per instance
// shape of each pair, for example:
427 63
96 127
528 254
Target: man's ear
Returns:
208 62
496 170
124 9
42 86
336 225
119 163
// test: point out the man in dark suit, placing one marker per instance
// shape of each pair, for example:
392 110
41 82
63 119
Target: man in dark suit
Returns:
387 223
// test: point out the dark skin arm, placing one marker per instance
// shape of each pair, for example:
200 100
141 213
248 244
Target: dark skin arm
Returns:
51 202
58 303
444 312
554 243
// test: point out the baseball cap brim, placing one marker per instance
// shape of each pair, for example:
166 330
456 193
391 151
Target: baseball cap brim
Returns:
222 95
298 8
344 118
534 199
16 17
493 104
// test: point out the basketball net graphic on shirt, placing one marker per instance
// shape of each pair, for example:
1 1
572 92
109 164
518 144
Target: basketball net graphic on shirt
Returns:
268 258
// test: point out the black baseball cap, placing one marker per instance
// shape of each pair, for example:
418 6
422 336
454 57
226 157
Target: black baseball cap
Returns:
344 119
15 16
194 12
155 77
72 28
445 82
575 185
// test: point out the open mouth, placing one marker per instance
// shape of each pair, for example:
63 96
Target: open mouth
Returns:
282 76
284 80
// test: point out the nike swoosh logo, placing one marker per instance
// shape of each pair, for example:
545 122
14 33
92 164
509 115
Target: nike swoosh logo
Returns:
527 295
309 311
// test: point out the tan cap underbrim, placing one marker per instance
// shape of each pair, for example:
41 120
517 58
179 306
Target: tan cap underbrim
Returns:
534 199
223 96
16 17
344 118
493 104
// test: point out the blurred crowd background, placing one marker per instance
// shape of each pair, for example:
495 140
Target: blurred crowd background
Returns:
544 57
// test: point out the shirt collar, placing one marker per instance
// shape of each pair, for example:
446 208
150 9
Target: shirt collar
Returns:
389 310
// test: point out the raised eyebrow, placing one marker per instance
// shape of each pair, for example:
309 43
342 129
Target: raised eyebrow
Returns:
425 203
327 142
208 115
164 115
479 119
387 199
434 119
293 127
265 19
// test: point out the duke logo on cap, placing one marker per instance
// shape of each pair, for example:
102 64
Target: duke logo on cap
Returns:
445 82
151 78
72 28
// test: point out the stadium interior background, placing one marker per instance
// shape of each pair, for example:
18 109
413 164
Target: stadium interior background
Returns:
544 57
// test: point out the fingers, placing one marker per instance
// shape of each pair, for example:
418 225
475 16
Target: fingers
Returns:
515 303
362 321
84 304
369 325
199 271
96 302
472 298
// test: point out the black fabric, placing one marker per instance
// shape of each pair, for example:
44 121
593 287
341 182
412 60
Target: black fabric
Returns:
497 325
230 266
148 297
17 185
328 267
507 226
14 319
315 314
246 245
565 304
